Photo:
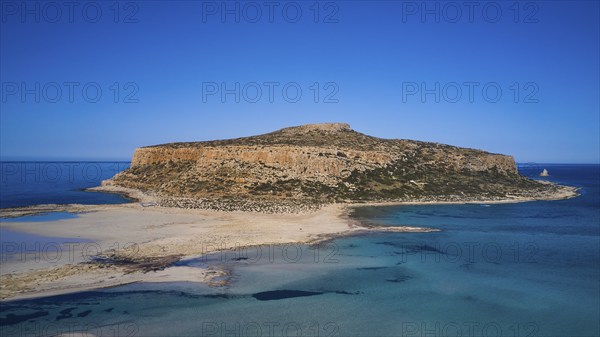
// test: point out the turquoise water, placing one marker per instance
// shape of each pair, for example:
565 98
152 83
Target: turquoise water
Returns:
528 269
21 245
44 217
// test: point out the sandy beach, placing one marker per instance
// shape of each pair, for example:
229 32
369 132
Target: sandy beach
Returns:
133 242
149 239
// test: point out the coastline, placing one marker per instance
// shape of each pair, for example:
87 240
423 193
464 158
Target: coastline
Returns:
139 241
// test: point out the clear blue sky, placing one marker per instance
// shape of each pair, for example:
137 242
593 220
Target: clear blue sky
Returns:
376 54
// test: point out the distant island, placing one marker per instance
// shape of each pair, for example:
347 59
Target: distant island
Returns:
301 168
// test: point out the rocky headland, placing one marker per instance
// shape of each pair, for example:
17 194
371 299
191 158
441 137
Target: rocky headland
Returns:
301 168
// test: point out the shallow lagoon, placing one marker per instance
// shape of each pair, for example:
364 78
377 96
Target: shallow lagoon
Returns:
21 245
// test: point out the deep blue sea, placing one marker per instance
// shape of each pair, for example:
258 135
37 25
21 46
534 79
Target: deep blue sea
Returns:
527 269
46 182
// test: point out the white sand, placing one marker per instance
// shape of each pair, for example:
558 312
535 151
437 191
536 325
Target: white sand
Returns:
141 232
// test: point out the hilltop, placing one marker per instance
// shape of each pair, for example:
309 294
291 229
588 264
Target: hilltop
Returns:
300 168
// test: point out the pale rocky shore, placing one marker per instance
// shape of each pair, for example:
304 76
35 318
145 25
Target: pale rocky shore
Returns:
140 241
552 192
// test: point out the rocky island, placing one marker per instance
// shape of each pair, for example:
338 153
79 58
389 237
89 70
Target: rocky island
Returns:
301 168
292 186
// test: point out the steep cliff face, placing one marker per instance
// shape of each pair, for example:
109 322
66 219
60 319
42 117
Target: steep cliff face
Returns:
320 163
326 165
